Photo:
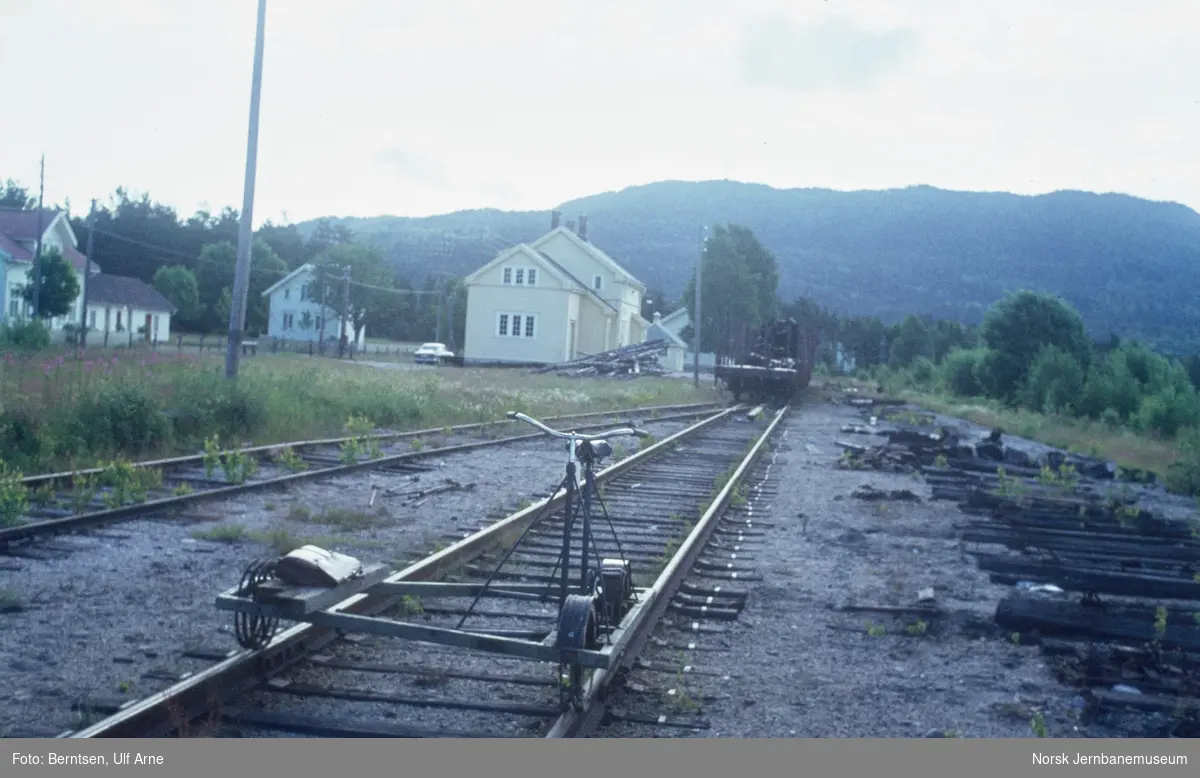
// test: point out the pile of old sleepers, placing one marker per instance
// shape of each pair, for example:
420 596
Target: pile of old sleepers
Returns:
627 361
1108 588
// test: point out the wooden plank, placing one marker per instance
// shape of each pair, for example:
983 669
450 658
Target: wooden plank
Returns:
1103 622
1081 579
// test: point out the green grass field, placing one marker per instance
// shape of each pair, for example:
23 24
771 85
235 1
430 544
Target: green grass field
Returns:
57 410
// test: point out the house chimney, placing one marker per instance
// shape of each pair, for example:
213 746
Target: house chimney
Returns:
657 317
583 226
555 219
571 226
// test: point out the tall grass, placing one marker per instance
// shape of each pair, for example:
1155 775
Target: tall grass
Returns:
67 409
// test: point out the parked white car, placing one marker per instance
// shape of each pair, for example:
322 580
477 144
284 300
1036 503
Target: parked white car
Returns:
432 354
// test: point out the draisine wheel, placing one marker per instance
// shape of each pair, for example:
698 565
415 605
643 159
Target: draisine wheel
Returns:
576 630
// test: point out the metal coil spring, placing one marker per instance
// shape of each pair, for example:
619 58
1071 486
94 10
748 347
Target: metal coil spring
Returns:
254 630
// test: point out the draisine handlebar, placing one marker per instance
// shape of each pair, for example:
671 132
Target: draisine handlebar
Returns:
578 436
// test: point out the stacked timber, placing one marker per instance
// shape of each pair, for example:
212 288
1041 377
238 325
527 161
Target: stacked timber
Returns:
1108 587
627 361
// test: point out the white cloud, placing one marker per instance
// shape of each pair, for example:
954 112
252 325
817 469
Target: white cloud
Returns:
422 107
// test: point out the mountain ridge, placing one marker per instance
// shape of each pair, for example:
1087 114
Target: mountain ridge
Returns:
1127 263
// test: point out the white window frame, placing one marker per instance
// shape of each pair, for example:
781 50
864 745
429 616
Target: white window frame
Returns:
516 324
531 277
508 275
597 282
520 277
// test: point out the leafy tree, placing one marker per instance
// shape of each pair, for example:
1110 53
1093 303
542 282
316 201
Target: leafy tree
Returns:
59 287
371 300
178 284
13 195
912 340
739 281
223 306
215 272
1016 328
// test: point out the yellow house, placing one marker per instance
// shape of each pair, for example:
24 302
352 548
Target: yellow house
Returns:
551 300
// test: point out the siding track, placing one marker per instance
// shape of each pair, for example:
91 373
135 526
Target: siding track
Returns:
668 514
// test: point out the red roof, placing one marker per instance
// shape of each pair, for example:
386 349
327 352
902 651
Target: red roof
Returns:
22 225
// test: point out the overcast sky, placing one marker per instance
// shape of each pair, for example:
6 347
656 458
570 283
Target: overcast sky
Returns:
412 108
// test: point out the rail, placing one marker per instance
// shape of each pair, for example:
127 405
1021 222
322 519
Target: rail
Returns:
159 714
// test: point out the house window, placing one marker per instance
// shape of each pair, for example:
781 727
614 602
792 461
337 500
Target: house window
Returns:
287 294
531 279
516 325
520 276
508 275
119 327
318 322
597 282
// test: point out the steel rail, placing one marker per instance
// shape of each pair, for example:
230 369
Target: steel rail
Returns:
35 529
166 711
300 445
630 639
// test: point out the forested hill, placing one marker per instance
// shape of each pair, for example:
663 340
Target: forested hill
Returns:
1130 266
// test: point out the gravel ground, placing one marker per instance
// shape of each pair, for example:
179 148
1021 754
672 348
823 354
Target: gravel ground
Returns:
792 666
111 617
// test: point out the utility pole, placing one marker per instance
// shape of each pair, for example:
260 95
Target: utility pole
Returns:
343 342
696 320
241 278
37 252
87 273
324 310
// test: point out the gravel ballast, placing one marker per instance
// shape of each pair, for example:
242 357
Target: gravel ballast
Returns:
793 665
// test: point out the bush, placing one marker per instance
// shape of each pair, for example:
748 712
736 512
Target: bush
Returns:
118 419
924 373
19 438
210 405
1054 382
1168 411
1183 476
26 336
960 371
1110 386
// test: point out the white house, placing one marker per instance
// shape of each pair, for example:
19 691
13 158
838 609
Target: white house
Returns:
675 323
676 347
126 310
551 300
295 313
18 244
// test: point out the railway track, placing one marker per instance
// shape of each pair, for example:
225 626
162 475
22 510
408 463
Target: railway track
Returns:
474 639
71 501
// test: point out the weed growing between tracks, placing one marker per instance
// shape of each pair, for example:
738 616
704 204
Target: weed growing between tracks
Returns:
148 404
